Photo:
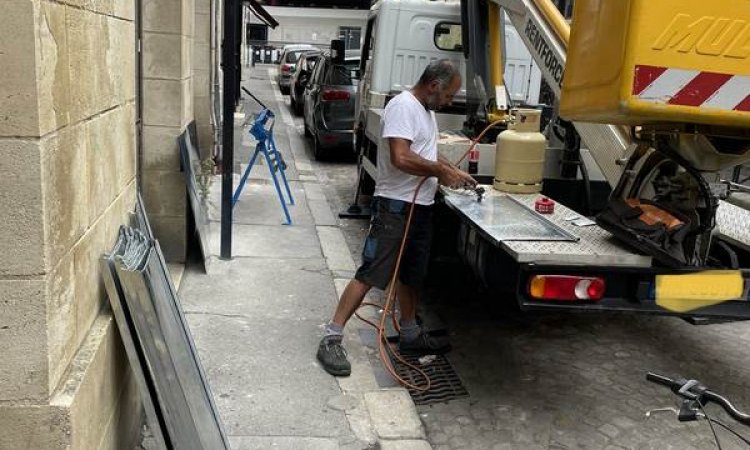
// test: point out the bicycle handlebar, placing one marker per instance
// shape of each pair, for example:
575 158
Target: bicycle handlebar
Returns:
660 379
694 390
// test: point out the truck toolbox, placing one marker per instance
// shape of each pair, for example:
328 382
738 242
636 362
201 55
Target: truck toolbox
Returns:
640 61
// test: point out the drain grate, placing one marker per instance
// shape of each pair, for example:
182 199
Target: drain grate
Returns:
446 385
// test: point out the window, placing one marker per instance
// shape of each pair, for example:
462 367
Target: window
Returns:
351 37
315 77
292 56
310 63
448 36
257 34
344 75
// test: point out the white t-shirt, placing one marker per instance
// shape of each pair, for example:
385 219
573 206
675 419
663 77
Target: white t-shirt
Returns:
405 117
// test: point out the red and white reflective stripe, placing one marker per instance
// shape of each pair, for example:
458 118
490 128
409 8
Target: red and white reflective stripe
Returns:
692 88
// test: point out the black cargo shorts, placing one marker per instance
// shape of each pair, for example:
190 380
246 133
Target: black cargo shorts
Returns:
384 240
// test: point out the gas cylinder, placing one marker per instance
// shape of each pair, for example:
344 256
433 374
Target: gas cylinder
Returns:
519 157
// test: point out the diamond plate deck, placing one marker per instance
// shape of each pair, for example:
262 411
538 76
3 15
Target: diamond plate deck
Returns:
595 246
506 219
733 224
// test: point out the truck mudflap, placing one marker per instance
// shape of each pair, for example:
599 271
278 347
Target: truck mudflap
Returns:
709 293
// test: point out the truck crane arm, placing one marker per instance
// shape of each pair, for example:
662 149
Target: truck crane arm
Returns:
546 34
662 167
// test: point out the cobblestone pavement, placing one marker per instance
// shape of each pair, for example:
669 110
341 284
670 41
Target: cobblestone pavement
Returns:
577 381
565 381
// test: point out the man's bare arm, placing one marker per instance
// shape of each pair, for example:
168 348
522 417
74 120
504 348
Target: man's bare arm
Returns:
407 161
443 160
467 179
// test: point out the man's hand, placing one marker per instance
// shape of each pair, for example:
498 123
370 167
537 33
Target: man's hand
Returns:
467 180
455 178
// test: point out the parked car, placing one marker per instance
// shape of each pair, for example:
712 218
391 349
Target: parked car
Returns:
289 56
329 102
303 70
292 47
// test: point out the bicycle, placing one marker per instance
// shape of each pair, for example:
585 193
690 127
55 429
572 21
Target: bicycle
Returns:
695 397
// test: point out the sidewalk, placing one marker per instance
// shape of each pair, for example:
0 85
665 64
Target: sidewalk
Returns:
257 319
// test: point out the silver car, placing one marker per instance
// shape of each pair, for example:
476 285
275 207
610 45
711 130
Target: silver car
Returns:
330 95
287 61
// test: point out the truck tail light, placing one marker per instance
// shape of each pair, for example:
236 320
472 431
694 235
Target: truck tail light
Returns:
286 68
331 95
566 287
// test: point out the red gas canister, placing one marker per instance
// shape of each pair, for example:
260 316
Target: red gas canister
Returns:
473 161
544 206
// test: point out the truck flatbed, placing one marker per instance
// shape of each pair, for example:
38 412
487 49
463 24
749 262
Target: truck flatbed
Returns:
594 246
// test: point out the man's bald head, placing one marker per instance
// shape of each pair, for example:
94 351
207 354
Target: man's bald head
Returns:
440 70
440 81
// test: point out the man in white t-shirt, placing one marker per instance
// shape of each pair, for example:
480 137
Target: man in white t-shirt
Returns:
411 131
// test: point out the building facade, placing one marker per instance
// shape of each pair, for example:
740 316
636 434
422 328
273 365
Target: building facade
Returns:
83 112
94 95
316 26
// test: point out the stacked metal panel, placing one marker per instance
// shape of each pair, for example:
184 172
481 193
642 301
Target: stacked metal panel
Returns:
197 181
177 399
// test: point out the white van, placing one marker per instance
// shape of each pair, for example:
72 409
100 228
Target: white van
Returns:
399 42
402 37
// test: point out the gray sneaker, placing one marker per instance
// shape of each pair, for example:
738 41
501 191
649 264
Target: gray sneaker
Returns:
424 344
332 356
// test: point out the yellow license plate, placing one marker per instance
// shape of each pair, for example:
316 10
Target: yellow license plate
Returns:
683 293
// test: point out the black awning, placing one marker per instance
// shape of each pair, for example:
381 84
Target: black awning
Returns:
261 13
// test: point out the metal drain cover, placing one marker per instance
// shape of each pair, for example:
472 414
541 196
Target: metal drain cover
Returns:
446 385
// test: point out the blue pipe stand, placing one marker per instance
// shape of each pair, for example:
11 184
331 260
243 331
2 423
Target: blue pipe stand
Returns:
262 131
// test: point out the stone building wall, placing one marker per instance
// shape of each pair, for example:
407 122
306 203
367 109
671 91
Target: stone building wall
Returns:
67 182
168 28
202 75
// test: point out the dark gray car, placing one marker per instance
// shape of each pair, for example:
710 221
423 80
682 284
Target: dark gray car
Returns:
330 96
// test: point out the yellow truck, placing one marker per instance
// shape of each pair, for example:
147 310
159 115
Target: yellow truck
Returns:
651 98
